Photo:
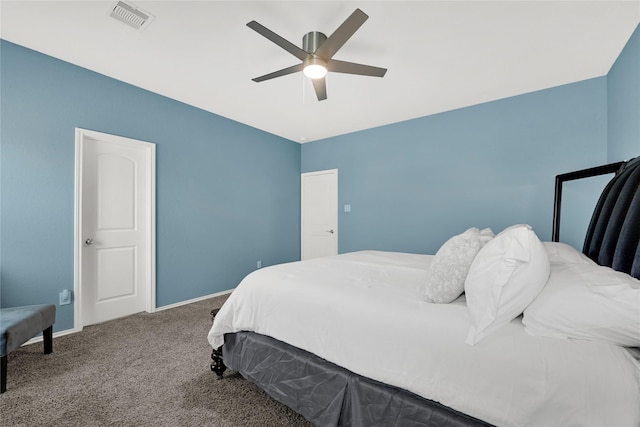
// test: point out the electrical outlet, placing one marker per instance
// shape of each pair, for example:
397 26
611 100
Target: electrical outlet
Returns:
65 297
259 264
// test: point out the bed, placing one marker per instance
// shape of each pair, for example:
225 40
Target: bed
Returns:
494 329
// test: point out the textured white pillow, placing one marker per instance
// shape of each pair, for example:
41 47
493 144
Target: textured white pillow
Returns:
505 276
449 268
561 253
587 301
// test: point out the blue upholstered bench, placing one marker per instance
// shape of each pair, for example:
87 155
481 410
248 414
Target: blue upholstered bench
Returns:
18 325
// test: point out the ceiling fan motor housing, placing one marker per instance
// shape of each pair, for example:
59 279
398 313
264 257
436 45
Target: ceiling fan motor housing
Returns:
312 41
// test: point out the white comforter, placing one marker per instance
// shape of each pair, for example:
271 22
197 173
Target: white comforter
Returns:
364 311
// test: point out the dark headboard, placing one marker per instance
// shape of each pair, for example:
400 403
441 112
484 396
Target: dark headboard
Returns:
613 235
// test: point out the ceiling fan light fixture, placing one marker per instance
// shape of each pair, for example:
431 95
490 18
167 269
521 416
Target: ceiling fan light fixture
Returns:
315 68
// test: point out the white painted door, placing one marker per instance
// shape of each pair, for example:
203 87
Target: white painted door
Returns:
319 214
116 226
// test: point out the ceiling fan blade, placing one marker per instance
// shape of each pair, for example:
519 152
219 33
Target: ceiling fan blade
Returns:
283 43
342 34
353 68
283 72
320 86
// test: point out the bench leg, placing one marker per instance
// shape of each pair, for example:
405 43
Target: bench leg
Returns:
47 338
3 374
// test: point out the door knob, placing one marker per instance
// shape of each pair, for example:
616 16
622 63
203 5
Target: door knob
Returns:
89 242
330 231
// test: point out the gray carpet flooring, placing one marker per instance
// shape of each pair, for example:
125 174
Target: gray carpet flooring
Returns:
141 370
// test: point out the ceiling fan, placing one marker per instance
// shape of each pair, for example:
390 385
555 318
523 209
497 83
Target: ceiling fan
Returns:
317 53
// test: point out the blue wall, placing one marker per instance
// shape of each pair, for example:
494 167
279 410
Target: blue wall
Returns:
227 194
623 99
413 184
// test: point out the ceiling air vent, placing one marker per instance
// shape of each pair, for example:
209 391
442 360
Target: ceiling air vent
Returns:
131 15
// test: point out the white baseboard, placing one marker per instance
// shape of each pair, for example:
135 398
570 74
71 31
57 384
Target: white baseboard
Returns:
55 335
165 307
178 304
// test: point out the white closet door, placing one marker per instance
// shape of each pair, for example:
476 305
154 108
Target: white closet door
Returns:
319 214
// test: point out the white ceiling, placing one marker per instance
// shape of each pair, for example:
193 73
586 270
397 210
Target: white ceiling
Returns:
440 55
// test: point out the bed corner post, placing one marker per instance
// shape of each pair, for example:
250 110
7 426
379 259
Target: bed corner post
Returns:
217 363
557 206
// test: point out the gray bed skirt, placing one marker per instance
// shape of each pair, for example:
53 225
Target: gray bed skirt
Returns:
326 394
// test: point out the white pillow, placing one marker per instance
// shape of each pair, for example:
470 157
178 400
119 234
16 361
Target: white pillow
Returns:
587 301
505 276
562 253
449 268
